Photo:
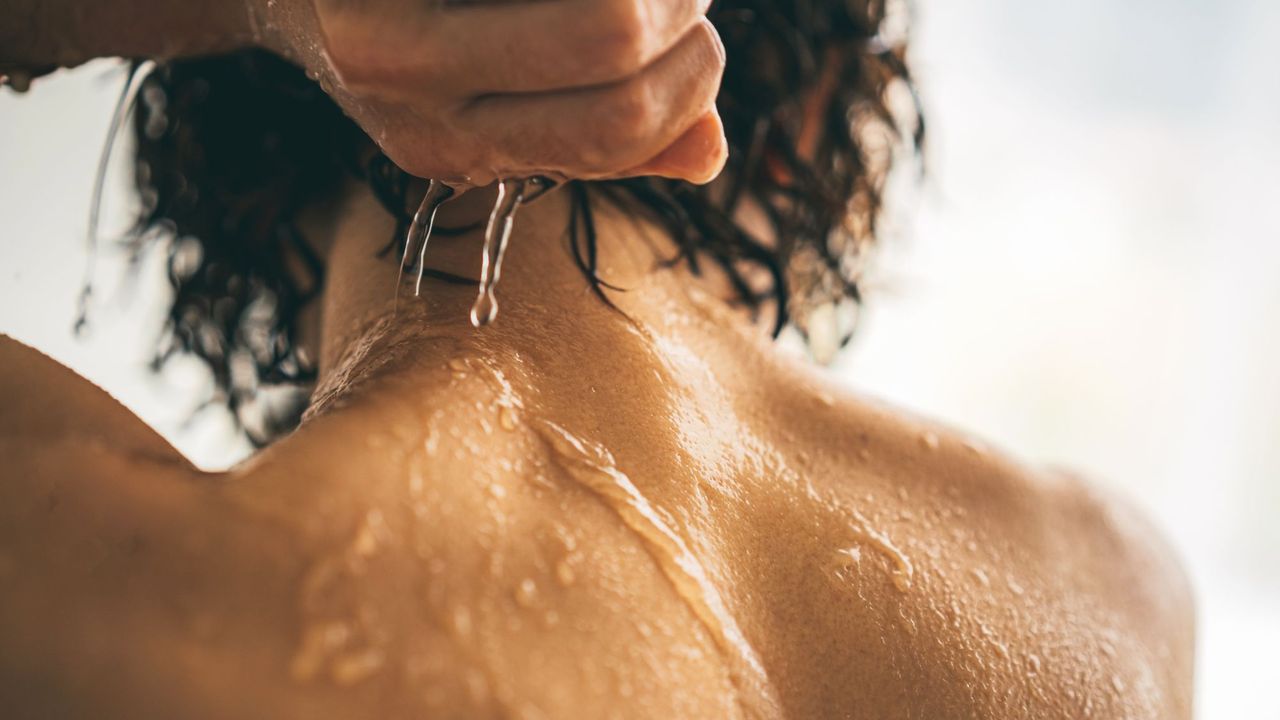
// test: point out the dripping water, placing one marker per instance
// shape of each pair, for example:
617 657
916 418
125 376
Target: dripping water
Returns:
124 106
594 468
512 194
424 220
497 234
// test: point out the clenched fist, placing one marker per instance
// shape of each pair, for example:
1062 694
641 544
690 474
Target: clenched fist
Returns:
487 89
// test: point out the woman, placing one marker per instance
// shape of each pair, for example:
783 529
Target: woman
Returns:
618 499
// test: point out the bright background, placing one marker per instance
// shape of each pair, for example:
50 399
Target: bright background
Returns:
1093 278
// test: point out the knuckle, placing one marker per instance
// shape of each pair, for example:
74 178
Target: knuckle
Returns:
631 117
623 38
619 134
710 48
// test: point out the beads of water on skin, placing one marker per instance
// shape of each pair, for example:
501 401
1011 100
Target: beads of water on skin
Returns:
595 469
508 417
526 593
1033 662
355 667
318 642
930 441
1014 587
564 573
902 573
369 535
461 621
981 577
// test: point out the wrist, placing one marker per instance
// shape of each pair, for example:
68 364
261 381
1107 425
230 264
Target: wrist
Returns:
65 33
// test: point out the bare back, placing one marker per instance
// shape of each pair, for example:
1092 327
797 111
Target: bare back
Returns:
511 534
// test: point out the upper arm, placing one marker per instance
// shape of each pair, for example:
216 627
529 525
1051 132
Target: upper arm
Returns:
1136 574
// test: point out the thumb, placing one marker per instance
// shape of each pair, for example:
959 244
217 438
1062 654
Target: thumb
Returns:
697 156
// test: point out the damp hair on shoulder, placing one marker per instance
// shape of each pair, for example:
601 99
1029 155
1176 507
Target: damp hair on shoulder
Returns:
817 103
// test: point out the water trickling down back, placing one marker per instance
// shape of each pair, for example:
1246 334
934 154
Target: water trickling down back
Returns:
595 468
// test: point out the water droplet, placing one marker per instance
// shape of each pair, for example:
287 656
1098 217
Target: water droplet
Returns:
497 491
827 399
508 417
564 572
1117 683
1033 661
930 440
461 620
318 643
1014 587
848 556
526 593
496 236
902 570
907 621
371 533
981 577
356 667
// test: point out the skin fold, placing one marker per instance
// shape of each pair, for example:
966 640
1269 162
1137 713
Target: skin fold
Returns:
575 512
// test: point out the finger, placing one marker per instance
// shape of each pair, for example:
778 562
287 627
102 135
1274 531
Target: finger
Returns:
534 46
697 156
601 131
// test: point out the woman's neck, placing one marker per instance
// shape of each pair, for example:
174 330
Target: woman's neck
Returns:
548 315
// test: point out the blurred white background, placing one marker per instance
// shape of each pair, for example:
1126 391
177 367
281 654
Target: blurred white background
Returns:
1093 279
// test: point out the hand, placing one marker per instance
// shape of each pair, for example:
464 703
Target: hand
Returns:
487 89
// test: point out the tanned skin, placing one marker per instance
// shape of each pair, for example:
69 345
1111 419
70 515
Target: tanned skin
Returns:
572 513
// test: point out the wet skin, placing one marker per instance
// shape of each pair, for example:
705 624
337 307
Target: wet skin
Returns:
566 514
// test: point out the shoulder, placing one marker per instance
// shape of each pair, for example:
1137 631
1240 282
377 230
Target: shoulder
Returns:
1076 600
463 533
45 403
1101 592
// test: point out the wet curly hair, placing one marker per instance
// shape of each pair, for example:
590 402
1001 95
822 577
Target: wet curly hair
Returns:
816 101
